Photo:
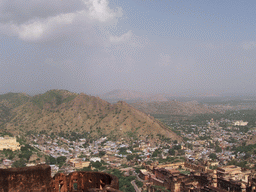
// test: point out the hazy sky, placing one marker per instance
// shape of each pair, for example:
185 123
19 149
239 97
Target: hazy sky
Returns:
95 46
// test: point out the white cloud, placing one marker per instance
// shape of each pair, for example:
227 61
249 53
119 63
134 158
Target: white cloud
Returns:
20 11
36 30
127 40
165 59
39 29
249 45
121 39
99 9
94 15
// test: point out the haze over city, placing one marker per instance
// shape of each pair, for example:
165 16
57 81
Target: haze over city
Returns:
96 46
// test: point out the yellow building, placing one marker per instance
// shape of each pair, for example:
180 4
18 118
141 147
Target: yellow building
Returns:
78 163
7 142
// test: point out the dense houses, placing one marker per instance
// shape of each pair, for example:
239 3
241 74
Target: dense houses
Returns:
200 162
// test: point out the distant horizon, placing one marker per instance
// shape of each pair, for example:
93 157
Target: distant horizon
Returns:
167 95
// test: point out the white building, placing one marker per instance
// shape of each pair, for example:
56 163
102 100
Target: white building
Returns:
95 159
240 123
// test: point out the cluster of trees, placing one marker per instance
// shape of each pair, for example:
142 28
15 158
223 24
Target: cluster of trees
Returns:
176 147
122 150
73 136
171 160
24 156
242 164
3 133
9 154
56 161
124 182
132 156
246 149
156 153
139 183
70 135
97 166
19 163
163 138
213 156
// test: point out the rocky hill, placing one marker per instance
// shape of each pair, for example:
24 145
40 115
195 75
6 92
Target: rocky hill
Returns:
60 110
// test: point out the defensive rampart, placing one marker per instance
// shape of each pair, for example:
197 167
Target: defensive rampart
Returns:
38 179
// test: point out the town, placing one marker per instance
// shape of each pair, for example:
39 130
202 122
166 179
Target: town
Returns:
211 157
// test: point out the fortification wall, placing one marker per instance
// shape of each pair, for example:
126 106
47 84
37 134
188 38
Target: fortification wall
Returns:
84 181
38 179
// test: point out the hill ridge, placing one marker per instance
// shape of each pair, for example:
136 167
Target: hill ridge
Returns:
58 110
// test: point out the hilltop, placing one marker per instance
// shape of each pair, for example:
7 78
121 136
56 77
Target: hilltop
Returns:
63 111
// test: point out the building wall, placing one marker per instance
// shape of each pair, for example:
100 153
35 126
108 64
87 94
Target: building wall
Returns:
191 166
9 143
229 186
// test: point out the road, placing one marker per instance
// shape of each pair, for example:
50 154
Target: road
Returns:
135 186
138 177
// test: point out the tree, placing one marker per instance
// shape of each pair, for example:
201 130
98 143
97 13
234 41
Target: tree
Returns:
213 156
247 155
122 150
61 160
51 160
218 149
177 147
19 163
102 153
96 164
155 153
171 151
130 157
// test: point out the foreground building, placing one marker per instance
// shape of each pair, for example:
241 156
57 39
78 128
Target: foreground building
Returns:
198 178
38 179
7 142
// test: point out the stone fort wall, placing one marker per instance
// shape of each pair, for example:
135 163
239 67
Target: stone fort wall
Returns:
38 179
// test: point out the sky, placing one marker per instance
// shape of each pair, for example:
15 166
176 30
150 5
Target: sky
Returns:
179 47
